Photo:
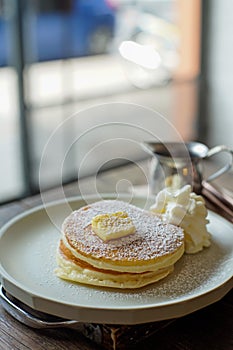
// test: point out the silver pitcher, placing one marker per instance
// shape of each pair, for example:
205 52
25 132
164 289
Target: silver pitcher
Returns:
175 164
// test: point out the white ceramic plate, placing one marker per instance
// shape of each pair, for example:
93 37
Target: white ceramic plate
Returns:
27 253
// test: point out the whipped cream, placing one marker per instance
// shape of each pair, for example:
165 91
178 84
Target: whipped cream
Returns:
185 209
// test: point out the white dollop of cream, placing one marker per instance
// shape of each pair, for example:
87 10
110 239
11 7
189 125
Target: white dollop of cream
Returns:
187 210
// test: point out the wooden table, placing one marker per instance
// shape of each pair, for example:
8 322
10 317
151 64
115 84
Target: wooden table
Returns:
209 328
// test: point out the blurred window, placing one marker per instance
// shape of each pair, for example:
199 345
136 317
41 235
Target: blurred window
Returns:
70 54
12 184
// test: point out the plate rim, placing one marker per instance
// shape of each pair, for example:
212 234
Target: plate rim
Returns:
7 279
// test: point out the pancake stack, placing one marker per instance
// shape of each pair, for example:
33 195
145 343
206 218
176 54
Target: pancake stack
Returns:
133 261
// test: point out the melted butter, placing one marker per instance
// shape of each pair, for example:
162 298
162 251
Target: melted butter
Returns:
112 226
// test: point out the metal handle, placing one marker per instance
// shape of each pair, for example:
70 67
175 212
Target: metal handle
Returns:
28 318
225 168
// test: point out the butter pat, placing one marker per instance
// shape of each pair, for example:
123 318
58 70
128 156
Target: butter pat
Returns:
187 210
112 226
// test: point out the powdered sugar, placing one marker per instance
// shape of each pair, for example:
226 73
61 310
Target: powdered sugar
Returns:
193 275
152 237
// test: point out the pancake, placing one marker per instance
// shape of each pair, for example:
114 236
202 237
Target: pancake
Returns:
141 258
73 269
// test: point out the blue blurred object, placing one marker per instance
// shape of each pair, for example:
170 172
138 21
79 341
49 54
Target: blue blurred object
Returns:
86 29
4 43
